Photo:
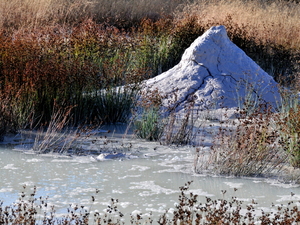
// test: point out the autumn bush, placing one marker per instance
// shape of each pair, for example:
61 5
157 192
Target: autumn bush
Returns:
51 65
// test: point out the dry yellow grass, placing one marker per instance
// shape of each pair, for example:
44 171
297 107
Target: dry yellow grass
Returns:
34 13
276 22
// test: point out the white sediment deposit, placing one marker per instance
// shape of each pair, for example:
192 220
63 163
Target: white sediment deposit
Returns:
215 73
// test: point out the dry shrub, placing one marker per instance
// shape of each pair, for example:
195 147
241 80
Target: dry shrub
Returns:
55 139
252 149
180 126
289 128
31 209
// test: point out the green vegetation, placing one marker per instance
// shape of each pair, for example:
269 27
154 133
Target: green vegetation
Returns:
150 126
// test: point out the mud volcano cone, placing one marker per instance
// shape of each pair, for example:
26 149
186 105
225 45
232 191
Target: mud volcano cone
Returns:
215 73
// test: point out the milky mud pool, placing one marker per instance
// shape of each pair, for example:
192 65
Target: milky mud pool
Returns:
146 183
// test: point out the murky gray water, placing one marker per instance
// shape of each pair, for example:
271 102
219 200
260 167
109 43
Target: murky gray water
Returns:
149 183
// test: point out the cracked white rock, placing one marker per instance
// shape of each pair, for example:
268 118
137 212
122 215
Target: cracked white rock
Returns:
217 74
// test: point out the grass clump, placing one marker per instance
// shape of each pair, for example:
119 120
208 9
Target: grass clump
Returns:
164 124
114 105
150 125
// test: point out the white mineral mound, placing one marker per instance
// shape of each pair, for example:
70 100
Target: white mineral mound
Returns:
215 73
